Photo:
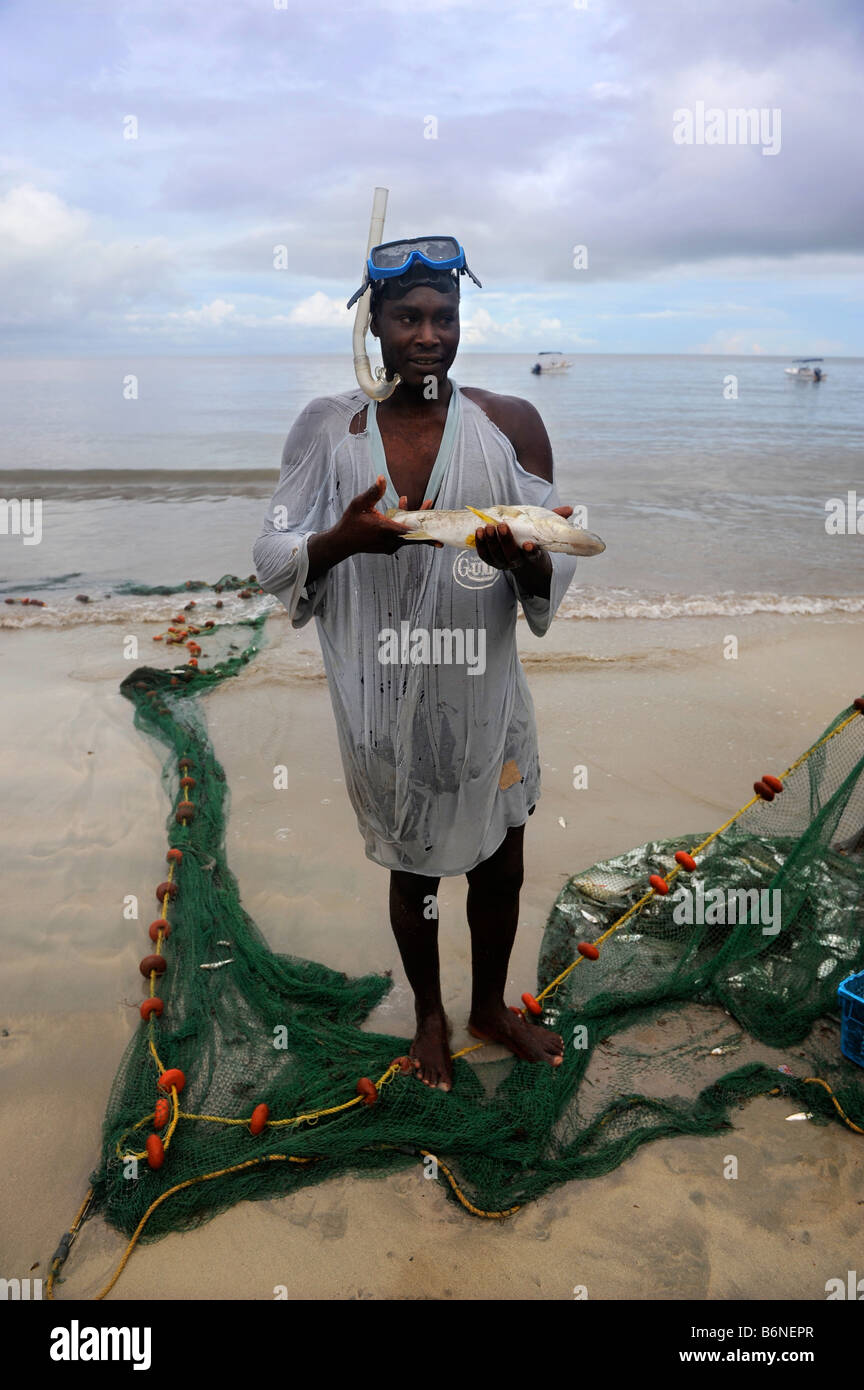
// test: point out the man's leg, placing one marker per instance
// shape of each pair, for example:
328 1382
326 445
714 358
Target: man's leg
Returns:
493 915
417 939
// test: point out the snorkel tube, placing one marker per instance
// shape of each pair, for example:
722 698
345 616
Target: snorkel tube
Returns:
375 386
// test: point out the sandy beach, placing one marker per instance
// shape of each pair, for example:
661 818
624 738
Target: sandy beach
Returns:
672 736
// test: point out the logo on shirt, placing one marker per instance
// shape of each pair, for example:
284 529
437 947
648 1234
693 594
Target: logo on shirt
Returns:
473 573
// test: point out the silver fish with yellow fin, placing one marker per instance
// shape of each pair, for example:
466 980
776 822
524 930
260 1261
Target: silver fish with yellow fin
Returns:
537 524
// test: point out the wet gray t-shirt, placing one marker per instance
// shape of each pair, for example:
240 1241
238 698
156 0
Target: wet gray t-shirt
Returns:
433 713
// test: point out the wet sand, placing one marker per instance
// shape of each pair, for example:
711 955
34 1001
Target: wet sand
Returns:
672 736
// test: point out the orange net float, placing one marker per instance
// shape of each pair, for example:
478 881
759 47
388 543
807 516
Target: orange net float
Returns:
161 924
172 1077
155 1151
368 1090
763 792
185 811
151 1006
169 887
772 782
162 1112
659 884
158 637
531 1004
260 1116
187 781
685 860
193 661
406 1066
588 950
153 964
174 856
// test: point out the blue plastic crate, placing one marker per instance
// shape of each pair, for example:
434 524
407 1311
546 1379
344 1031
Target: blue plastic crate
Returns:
851 995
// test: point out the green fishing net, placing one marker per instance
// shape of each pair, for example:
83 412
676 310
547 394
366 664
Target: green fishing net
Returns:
679 1021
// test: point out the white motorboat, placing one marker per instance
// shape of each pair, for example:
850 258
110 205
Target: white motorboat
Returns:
807 369
550 362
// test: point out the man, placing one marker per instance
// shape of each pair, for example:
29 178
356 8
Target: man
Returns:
440 757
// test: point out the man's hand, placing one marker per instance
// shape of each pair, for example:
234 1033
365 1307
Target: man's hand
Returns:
361 529
497 546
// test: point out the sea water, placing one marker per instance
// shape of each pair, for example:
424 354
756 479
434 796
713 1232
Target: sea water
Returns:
711 479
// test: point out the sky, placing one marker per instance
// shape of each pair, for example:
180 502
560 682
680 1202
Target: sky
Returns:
179 177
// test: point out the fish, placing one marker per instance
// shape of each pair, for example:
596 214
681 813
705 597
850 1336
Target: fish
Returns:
543 527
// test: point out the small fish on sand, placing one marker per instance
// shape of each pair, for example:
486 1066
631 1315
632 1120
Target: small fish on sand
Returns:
536 524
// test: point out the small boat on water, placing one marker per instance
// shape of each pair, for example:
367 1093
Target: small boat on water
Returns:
807 369
550 362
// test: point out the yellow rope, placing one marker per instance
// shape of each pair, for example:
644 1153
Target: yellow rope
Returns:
469 1206
178 1187
817 1081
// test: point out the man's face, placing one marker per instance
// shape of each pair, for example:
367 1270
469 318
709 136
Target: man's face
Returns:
419 334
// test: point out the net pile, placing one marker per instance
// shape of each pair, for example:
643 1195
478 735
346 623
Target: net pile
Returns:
665 1033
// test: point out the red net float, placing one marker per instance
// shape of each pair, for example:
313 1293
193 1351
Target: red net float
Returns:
174 680
185 763
659 884
773 782
193 661
153 963
185 811
531 1004
588 950
172 1077
187 781
174 856
160 925
406 1066
210 623
168 887
162 1113
765 793
155 1151
260 1116
858 702
158 637
151 1006
368 1090
685 860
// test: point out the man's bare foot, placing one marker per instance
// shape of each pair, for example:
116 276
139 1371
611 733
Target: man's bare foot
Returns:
526 1040
430 1051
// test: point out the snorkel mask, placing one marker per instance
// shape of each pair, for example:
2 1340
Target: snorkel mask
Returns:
394 258
387 261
